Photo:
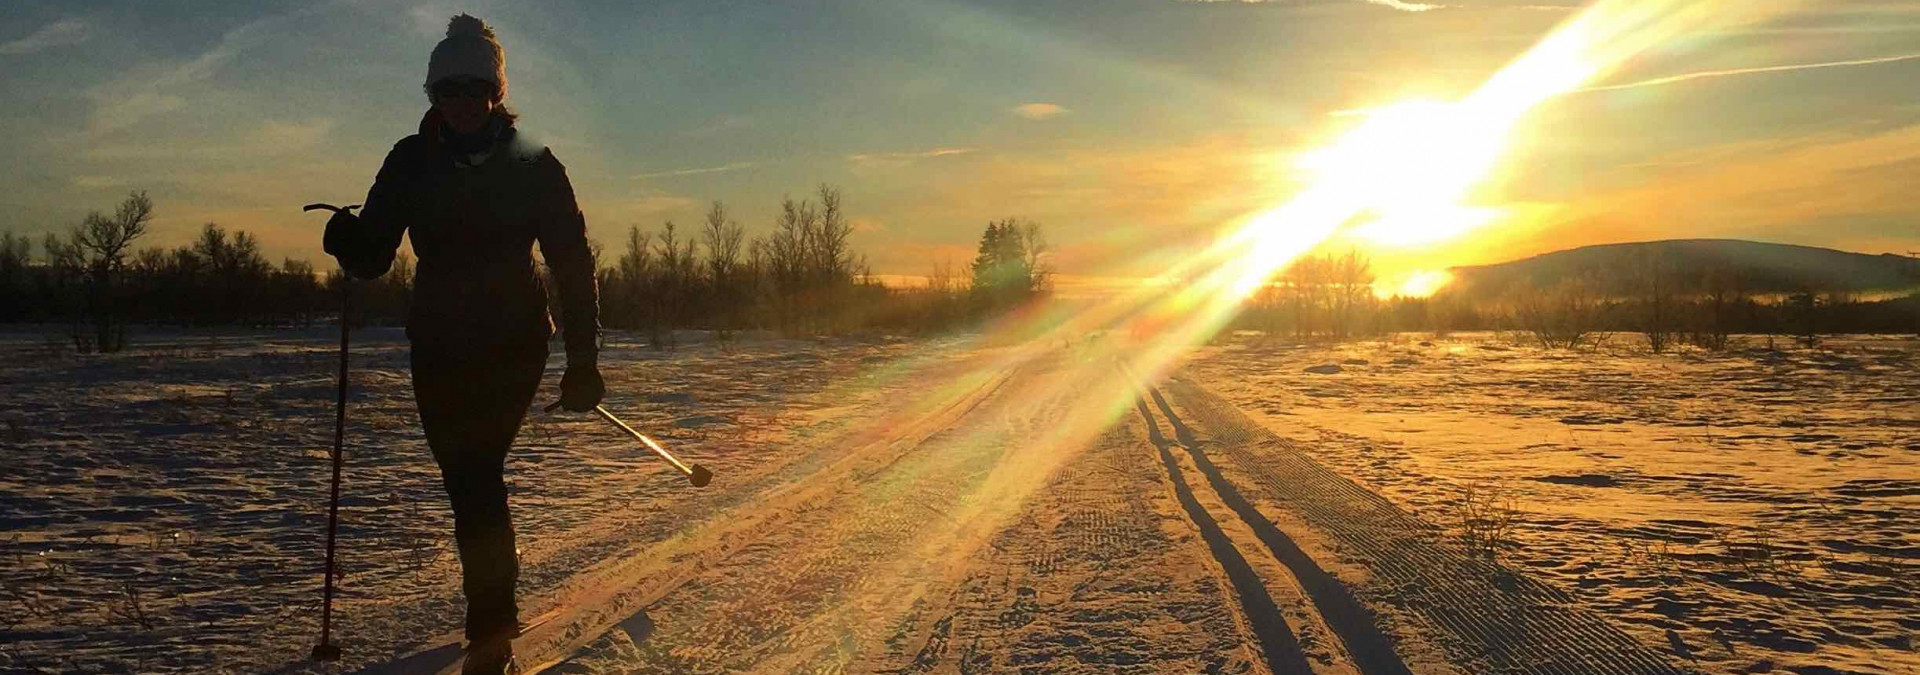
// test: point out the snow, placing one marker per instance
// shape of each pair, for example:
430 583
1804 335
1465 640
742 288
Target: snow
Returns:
949 505
1754 509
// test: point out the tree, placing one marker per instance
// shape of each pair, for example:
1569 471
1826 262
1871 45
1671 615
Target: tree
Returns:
724 238
238 270
1725 296
628 298
97 250
1039 263
1002 275
1350 290
15 255
675 280
1657 311
1562 316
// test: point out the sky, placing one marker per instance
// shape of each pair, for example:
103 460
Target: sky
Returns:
1134 131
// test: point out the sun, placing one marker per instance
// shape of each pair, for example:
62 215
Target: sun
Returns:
1409 165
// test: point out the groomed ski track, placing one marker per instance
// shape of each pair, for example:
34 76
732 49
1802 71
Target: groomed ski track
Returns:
984 534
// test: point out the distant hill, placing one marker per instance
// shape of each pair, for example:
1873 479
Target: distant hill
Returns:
1694 264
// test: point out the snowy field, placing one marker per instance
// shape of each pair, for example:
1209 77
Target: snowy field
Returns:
945 506
1756 510
163 509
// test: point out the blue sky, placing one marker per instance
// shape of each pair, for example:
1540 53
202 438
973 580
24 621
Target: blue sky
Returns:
1130 128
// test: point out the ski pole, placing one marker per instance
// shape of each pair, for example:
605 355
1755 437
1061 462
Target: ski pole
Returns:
696 474
326 650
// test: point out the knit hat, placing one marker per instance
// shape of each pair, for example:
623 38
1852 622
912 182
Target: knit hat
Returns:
469 50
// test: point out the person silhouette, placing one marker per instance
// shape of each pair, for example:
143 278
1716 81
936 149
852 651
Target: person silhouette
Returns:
475 197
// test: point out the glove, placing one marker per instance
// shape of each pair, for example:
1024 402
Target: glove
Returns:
581 387
343 235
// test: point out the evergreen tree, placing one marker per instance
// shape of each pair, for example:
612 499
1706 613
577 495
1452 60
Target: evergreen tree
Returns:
1002 272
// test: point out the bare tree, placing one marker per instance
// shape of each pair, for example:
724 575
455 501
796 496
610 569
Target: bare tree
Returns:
832 266
724 239
789 253
1724 296
98 249
633 275
1350 288
1561 317
15 255
1657 302
1039 258
675 277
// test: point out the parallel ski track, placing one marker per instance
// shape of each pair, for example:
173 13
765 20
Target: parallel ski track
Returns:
1277 642
1086 580
1496 620
1370 649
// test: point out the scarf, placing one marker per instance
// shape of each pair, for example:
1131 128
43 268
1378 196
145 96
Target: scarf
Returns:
466 150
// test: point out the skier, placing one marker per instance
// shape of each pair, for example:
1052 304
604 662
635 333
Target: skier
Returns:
476 197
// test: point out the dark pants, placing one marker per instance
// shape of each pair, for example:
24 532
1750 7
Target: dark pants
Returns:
471 406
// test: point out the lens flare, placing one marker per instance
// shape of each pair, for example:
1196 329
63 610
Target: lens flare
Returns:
1423 283
1400 175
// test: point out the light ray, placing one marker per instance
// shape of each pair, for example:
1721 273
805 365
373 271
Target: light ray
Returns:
1400 163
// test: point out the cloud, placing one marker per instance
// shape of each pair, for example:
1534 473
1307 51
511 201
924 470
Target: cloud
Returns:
1749 188
1406 6
57 34
1039 111
693 172
1683 77
867 225
271 138
278 136
899 159
126 101
1392 4
97 182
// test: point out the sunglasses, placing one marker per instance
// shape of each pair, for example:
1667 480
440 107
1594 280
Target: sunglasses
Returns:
459 88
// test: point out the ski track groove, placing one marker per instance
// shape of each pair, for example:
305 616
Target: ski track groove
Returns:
1371 650
1510 623
1269 626
1084 579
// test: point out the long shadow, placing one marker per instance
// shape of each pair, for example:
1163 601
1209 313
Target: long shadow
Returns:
1372 650
1277 642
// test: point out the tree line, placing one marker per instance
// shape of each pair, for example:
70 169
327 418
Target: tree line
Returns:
803 277
1332 297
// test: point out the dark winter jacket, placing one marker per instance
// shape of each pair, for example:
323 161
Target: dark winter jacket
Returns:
473 228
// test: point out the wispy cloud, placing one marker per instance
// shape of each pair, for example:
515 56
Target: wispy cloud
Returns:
1406 6
671 173
1039 111
130 99
98 182
271 138
1683 77
57 34
1392 4
892 159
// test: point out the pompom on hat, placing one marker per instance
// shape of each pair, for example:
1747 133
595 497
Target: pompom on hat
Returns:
469 50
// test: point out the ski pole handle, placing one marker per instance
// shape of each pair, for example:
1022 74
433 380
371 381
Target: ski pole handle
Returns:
329 207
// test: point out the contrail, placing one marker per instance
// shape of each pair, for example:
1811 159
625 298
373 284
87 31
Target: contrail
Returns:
1749 71
694 172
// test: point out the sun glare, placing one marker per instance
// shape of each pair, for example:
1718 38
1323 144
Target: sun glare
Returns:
1400 175
1423 283
1410 158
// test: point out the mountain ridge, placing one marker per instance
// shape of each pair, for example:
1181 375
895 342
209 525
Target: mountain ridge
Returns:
1693 265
